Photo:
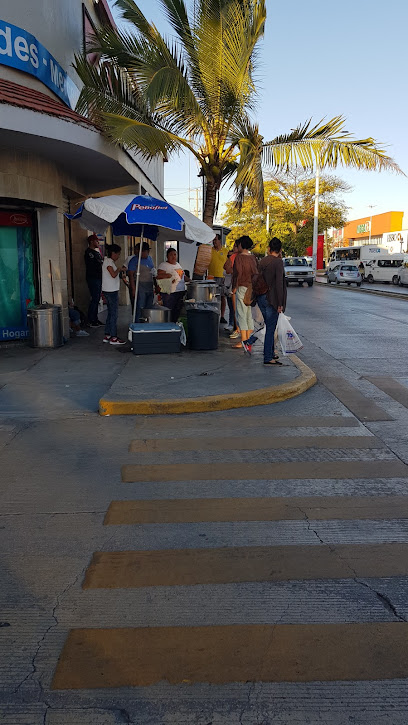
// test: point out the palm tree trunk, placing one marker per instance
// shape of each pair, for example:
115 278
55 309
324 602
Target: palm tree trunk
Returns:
209 205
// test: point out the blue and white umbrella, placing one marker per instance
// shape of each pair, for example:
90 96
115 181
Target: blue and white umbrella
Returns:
144 217
155 219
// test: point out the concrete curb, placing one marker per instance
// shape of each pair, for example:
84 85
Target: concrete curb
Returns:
367 291
205 404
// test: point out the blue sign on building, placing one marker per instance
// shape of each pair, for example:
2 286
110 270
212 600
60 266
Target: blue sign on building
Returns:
21 50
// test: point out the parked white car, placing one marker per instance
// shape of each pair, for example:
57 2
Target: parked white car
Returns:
298 270
346 274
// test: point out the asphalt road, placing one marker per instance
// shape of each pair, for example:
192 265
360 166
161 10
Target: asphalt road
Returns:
273 592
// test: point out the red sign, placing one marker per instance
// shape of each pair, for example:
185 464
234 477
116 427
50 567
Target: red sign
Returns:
15 219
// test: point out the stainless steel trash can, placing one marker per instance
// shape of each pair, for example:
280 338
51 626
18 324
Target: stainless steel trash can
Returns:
45 325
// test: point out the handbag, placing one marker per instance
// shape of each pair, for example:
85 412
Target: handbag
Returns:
249 296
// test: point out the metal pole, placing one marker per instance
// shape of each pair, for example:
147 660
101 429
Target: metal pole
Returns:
138 274
316 218
370 206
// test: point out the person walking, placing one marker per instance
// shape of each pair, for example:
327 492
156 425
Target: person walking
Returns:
244 269
110 288
273 301
216 271
93 264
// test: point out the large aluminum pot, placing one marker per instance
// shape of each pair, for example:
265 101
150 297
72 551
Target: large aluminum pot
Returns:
202 291
156 314
45 325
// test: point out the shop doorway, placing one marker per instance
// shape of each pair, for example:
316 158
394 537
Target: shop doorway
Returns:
17 280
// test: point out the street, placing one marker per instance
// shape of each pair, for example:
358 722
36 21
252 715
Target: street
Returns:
245 567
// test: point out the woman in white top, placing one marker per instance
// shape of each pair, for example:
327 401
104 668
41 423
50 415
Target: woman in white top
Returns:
173 271
110 288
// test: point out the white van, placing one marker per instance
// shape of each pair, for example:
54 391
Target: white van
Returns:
384 269
403 272
355 255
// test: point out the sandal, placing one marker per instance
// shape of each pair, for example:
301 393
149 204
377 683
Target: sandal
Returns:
273 362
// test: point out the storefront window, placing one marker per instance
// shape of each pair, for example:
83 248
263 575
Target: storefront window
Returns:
17 288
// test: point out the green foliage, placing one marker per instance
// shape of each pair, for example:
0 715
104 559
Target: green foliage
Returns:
291 208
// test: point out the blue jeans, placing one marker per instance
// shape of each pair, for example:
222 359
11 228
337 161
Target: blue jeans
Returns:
270 316
230 304
145 297
95 289
112 301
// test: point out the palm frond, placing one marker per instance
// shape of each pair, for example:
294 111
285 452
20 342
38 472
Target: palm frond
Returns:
109 89
149 140
328 145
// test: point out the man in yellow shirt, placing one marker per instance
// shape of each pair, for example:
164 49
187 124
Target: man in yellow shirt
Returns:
216 270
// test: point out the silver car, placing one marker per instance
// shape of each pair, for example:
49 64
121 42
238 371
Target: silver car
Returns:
345 273
298 270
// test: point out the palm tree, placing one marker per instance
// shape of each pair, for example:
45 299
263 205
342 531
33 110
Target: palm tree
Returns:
196 91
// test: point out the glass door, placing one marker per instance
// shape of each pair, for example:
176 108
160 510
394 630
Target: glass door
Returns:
17 287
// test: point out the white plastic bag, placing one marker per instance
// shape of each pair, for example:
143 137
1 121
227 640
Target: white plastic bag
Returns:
183 338
289 340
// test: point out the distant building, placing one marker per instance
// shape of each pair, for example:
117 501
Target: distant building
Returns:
357 232
51 158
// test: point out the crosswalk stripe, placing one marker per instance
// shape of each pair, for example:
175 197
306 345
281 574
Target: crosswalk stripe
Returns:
363 408
238 422
127 657
251 443
318 508
391 387
188 567
264 471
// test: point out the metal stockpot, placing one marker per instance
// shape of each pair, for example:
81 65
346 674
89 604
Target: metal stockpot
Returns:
199 291
156 314
45 325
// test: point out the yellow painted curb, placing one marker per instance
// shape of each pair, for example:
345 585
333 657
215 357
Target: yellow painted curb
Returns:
208 403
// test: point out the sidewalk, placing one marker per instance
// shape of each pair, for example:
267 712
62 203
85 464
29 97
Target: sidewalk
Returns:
72 380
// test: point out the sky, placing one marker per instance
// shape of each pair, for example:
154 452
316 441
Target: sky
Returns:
319 60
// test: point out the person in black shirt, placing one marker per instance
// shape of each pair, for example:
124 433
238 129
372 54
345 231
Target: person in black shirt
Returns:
93 264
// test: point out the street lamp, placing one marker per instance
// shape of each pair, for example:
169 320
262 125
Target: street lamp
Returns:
371 206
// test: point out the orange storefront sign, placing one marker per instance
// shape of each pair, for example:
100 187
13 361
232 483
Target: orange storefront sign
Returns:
390 221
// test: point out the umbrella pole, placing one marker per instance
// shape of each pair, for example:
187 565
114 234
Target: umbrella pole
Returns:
138 274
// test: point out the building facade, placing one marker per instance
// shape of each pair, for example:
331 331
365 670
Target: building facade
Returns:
51 158
368 230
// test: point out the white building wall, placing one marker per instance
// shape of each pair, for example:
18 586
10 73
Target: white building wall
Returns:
58 26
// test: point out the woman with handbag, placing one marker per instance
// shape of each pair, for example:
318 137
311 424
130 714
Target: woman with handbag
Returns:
244 269
271 292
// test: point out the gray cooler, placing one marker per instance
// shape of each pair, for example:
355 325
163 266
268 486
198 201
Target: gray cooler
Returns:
155 337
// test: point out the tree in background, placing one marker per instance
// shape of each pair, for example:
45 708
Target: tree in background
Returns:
196 90
290 198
